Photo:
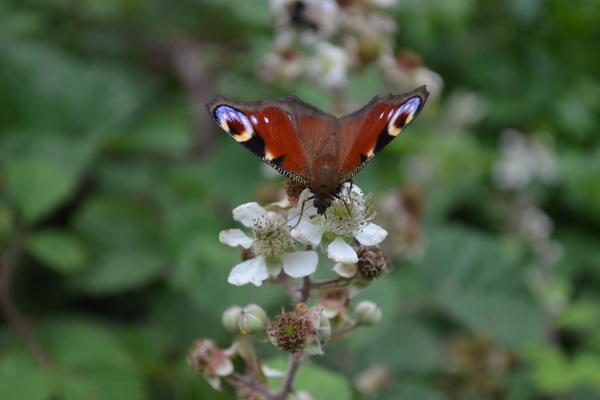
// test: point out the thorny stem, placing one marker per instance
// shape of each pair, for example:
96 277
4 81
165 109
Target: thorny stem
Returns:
8 263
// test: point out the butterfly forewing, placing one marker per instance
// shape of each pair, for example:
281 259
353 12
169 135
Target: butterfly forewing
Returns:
366 131
310 146
268 129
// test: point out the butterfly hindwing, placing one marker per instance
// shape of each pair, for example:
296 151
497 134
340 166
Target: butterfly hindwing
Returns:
366 131
269 128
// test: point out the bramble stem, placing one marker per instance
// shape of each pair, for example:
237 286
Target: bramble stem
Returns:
8 263
296 360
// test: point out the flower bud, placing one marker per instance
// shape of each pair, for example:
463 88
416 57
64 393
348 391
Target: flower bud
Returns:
252 319
207 358
368 312
231 318
324 329
371 262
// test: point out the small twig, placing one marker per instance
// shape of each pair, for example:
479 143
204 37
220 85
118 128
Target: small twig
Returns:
305 291
296 360
341 332
289 287
330 283
8 263
236 379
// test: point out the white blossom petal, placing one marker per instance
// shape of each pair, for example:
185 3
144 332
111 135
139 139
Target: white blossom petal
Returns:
234 238
248 212
252 271
308 233
272 372
345 270
224 367
300 263
274 266
340 251
371 234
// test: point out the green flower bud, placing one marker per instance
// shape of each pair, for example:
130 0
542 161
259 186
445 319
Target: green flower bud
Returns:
231 318
368 312
252 319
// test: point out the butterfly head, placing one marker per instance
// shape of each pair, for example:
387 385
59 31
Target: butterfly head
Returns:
322 201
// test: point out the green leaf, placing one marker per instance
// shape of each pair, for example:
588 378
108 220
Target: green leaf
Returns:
120 270
466 272
37 186
58 250
91 364
22 378
320 382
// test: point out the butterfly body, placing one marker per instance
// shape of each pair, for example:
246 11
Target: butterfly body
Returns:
312 147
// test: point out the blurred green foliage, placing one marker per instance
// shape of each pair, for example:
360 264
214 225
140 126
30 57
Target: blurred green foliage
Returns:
115 191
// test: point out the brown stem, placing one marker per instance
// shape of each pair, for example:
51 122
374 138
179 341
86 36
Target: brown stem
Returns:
8 263
236 379
296 360
305 291
187 60
330 283
341 332
289 287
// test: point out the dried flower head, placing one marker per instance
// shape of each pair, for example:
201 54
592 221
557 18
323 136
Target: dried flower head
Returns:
371 262
289 331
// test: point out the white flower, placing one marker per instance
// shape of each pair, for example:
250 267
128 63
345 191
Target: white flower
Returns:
344 219
330 65
522 160
271 245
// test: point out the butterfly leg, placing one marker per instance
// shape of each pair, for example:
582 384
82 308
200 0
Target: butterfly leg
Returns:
301 212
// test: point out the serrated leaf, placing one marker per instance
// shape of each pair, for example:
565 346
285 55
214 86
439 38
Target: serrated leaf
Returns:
21 377
37 185
58 250
320 382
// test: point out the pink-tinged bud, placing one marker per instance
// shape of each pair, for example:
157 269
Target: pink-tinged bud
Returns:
368 313
207 358
252 319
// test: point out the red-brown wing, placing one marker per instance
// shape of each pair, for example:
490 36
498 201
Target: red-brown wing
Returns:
274 129
366 131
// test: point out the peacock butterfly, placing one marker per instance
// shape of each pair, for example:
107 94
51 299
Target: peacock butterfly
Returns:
312 147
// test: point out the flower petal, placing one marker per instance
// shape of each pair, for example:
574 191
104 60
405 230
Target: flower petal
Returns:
300 263
342 252
371 234
247 213
234 238
274 265
272 372
345 270
308 233
252 271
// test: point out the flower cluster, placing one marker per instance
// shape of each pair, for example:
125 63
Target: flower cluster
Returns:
324 40
276 232
282 242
